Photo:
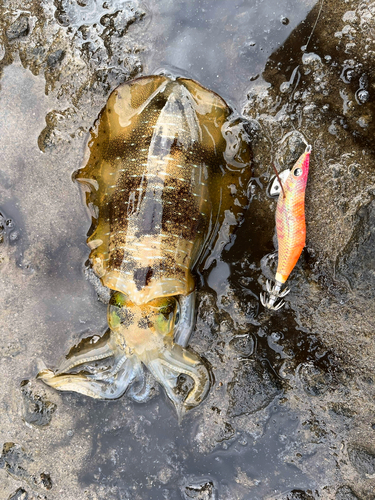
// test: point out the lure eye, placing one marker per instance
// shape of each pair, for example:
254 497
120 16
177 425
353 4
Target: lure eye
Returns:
297 172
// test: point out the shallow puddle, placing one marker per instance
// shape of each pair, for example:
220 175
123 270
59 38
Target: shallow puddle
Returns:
224 45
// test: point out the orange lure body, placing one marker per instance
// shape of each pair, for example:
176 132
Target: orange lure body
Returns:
290 218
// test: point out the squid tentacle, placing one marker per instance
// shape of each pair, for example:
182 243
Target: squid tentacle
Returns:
169 364
97 382
87 351
105 370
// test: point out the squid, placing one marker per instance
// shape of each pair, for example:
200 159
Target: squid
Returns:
166 168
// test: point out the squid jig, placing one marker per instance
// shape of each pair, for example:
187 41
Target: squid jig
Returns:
290 229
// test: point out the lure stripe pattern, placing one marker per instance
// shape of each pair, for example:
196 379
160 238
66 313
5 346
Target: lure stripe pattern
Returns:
290 218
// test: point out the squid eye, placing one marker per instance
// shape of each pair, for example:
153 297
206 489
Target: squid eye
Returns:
164 325
114 319
119 312
166 312
118 299
119 317
297 172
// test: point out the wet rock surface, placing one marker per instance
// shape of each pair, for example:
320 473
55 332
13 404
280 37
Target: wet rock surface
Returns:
20 494
291 411
363 460
19 28
252 389
200 491
37 409
19 464
345 493
299 495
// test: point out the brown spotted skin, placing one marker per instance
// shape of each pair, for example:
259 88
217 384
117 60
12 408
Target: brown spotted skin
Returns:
165 167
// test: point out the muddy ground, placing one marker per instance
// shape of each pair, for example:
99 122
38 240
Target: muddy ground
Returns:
291 414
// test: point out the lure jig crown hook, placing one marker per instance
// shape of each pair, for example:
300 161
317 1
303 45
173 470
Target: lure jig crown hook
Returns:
290 229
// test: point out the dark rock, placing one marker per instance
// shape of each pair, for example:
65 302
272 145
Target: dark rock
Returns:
15 460
345 493
299 495
342 410
290 150
48 137
61 15
46 480
20 494
362 460
359 254
199 491
55 58
19 28
252 388
37 409
225 433
118 23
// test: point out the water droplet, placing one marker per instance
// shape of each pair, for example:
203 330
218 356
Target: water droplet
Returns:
285 87
284 20
347 75
276 336
13 236
362 96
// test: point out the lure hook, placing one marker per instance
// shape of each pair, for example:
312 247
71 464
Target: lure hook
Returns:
274 293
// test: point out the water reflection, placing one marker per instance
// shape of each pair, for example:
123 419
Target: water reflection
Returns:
225 44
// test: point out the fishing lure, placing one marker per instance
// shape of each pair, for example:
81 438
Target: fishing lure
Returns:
290 229
167 166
